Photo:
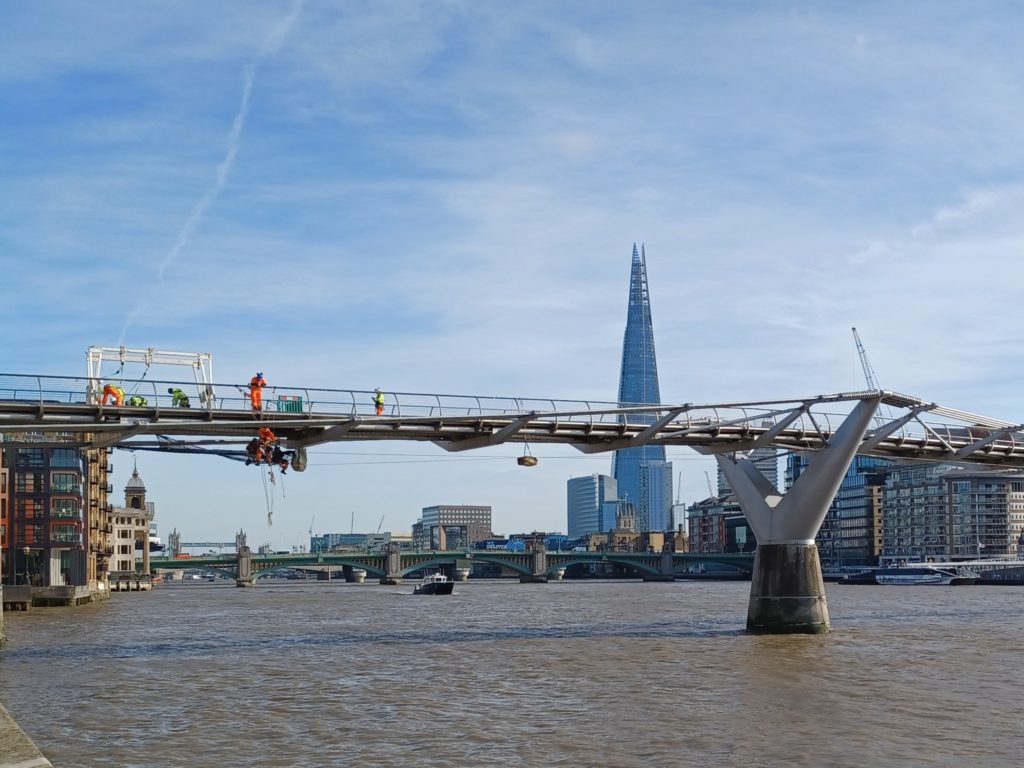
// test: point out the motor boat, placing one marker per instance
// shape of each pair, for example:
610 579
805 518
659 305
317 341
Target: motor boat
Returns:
435 584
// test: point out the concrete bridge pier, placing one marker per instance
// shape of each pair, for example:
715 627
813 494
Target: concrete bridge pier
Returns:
539 568
393 570
353 575
245 577
787 592
665 568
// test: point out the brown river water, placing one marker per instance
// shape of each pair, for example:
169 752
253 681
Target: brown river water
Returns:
506 674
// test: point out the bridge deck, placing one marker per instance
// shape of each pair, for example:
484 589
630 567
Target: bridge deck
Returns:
302 417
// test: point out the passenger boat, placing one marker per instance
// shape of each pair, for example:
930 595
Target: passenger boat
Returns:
924 575
435 584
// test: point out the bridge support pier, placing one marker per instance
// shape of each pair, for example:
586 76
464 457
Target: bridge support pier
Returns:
539 568
787 592
245 577
665 568
393 573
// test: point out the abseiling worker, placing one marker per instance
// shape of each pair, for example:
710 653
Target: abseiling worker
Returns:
256 385
178 398
114 391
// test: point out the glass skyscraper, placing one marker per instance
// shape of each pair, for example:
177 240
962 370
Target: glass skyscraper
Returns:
591 504
643 476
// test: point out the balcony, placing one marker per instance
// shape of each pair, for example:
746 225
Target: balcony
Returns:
76 516
66 538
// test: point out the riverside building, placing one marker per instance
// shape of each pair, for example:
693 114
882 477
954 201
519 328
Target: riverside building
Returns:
941 513
851 533
54 515
452 526
643 476
130 526
717 524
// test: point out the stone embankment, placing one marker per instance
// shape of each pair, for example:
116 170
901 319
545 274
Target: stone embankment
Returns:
16 748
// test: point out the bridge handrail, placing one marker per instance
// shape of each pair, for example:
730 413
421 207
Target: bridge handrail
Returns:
925 430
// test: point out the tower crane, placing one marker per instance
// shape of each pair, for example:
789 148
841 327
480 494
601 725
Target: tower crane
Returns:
711 491
380 524
869 374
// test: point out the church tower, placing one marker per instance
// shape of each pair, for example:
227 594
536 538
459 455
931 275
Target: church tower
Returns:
135 491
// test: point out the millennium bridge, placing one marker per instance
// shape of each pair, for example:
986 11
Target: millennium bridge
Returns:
787 590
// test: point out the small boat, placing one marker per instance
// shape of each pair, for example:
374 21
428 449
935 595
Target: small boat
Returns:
435 584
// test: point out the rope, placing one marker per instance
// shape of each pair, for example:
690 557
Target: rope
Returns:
139 381
269 498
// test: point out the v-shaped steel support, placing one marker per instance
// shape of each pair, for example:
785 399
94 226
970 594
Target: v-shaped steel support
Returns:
796 517
787 591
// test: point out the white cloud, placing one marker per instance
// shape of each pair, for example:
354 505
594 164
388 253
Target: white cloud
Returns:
444 196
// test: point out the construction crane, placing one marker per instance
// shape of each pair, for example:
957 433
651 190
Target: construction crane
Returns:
311 526
869 374
711 491
380 524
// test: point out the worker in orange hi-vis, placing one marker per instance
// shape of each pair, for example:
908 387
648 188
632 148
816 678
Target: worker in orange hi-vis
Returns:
267 442
256 385
114 391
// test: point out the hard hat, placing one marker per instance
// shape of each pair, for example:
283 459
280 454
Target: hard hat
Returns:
259 374
170 390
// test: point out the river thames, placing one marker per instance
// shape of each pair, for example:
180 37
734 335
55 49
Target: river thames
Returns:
502 674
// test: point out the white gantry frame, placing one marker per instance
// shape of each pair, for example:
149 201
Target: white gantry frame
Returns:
200 362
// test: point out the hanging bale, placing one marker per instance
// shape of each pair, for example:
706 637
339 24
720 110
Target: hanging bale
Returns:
299 460
527 461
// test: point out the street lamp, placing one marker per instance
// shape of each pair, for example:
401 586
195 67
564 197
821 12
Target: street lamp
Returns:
28 569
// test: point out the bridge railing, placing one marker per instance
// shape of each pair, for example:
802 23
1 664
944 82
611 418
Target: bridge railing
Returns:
815 418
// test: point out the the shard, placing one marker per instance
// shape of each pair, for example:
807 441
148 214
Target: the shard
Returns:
643 476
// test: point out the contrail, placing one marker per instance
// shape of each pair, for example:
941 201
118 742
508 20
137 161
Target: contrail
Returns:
269 48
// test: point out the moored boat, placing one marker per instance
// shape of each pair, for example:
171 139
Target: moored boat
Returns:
925 575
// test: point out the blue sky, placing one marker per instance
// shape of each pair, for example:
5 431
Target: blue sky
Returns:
443 197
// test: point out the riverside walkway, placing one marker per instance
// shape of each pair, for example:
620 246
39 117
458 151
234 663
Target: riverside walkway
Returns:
16 749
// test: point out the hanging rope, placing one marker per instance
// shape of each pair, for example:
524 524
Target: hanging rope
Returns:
269 498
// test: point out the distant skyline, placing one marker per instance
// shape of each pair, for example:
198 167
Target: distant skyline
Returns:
438 196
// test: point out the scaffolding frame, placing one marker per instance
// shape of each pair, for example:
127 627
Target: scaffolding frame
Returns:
200 362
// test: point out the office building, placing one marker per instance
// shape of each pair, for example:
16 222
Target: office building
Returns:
851 533
452 526
591 504
643 476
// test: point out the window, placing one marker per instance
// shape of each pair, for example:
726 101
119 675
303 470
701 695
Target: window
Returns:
28 509
65 508
65 482
65 534
29 457
29 482
65 457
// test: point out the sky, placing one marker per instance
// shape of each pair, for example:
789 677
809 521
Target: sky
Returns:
444 197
